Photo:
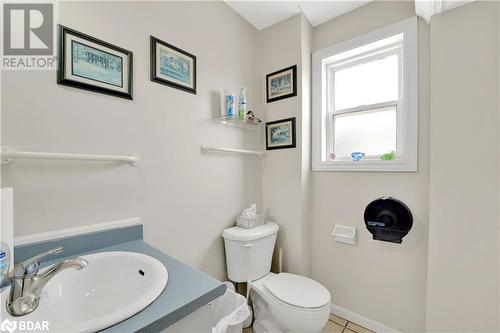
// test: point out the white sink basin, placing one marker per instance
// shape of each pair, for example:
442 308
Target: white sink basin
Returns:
113 287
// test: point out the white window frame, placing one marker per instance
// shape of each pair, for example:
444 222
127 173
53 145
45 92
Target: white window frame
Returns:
406 104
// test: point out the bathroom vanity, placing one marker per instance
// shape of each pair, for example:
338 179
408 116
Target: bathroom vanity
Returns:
135 274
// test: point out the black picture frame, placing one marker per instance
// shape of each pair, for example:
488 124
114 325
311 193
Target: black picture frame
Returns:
293 70
154 42
293 144
63 79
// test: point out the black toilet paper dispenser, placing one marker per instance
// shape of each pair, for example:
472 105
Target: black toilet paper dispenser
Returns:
388 219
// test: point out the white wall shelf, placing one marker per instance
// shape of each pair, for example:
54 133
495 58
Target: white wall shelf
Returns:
235 122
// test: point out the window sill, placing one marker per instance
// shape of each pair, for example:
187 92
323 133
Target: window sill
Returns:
366 166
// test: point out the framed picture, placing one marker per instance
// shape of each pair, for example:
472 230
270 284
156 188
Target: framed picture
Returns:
280 134
172 66
281 84
89 63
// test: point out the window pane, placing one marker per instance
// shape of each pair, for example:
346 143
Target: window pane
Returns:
371 132
367 83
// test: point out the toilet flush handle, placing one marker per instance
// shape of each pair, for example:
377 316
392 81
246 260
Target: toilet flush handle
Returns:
247 245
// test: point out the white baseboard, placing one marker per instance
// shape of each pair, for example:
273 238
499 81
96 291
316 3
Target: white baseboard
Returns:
362 320
68 232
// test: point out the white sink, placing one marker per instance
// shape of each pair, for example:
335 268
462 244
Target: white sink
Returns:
113 287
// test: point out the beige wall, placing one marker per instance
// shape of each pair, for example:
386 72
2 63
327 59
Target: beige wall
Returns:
463 276
307 40
281 46
186 198
382 281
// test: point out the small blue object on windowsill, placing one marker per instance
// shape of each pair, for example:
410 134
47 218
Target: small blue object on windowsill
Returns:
357 156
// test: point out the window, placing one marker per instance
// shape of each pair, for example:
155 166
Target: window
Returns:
365 110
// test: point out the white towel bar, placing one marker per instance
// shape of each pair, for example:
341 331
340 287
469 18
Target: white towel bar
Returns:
210 149
9 156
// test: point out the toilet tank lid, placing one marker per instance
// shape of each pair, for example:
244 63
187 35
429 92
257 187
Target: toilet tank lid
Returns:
242 234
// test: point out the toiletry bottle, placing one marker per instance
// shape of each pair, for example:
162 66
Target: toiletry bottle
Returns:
6 233
242 104
4 263
230 103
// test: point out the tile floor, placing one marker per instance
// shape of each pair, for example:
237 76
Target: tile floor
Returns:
340 325
335 325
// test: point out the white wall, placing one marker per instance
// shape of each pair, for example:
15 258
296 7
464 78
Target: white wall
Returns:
463 276
186 198
381 281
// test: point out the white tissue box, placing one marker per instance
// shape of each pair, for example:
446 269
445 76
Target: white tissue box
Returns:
250 222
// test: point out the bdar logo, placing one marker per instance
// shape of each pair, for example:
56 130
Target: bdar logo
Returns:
8 325
28 29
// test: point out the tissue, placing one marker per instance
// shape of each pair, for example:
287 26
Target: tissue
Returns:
249 218
250 212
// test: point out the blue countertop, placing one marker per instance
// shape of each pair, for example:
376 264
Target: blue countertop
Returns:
187 290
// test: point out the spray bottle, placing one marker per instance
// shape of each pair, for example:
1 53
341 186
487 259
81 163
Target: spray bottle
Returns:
242 104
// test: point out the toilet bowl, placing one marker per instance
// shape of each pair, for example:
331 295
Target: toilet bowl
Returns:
289 303
282 302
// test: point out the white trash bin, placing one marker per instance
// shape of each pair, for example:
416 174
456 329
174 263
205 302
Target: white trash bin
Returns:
228 312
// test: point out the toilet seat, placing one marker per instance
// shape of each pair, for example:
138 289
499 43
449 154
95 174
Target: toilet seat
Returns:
284 303
297 291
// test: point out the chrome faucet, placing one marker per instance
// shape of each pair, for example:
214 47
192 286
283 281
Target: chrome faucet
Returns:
26 283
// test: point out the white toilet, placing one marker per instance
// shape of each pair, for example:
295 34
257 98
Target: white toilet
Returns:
282 302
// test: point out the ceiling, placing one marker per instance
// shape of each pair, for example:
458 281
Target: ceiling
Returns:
262 14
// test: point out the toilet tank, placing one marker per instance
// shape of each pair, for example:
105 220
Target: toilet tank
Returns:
249 252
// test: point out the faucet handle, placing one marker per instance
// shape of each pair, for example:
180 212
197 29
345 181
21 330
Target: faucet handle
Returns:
29 267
